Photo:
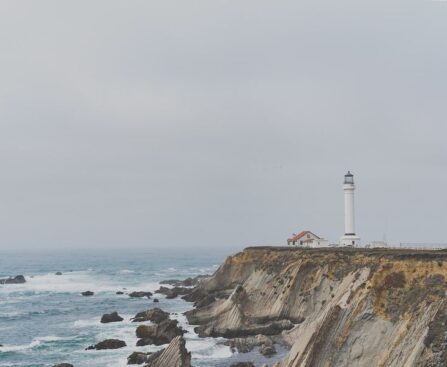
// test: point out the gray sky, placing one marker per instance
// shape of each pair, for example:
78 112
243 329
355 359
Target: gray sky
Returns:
220 123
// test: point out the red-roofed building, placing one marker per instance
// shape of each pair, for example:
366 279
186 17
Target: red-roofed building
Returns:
307 239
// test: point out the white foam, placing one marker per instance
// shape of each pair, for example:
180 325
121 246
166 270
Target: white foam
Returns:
34 343
203 349
74 282
18 348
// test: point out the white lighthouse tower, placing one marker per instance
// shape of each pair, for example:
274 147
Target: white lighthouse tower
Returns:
349 238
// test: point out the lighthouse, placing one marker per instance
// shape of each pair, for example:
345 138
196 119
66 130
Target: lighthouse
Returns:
349 238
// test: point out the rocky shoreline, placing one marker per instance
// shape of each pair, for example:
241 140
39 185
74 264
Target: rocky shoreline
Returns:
328 307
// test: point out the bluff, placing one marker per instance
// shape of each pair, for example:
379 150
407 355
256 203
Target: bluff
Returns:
334 306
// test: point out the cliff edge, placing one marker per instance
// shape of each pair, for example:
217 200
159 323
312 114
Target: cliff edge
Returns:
333 307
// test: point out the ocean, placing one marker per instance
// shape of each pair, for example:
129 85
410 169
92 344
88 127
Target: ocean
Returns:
46 320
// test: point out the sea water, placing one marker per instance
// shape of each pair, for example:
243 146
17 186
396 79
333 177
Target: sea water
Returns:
47 321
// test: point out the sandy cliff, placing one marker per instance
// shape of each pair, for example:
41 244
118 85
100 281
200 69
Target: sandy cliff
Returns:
333 307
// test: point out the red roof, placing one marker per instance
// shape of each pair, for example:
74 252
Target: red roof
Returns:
296 237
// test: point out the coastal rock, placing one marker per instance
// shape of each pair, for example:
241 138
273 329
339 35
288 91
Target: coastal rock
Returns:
334 307
173 292
108 344
205 301
18 279
155 315
245 345
188 282
140 294
58 273
226 318
138 358
63 365
175 355
119 292
158 334
267 350
111 317
243 364
156 300
87 293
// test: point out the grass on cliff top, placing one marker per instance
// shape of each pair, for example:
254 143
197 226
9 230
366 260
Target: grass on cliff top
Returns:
395 253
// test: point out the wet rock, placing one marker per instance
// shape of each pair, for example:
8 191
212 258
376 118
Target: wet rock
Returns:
175 355
195 295
158 334
140 294
205 301
58 273
111 317
245 345
63 365
188 282
155 315
173 292
18 279
88 293
138 358
108 344
243 364
119 292
267 350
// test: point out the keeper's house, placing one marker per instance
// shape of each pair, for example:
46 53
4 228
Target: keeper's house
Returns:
307 239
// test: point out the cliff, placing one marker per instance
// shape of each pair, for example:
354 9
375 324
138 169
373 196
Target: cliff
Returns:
333 307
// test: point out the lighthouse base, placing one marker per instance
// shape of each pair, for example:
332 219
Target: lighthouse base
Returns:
350 240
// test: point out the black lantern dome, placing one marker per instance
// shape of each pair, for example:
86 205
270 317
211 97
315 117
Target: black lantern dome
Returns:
349 178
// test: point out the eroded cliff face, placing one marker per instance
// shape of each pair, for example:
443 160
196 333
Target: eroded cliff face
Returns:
334 307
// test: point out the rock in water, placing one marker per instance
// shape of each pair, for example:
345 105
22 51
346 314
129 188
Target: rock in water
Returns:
188 282
244 345
18 279
111 317
140 294
156 300
138 358
267 350
87 293
158 334
243 364
63 365
155 315
108 344
173 292
59 273
175 355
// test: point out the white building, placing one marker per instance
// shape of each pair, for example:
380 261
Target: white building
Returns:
349 238
377 244
307 239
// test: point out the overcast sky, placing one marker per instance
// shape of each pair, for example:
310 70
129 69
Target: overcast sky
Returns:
220 123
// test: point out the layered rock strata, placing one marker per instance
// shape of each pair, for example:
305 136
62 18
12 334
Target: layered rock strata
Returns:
333 307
